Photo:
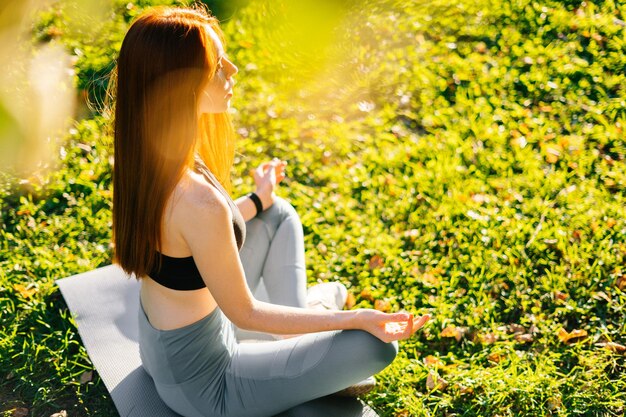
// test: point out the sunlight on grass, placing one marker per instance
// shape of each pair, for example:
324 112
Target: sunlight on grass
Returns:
463 159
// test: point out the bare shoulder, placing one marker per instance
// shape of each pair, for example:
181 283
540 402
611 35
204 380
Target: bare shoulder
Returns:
196 203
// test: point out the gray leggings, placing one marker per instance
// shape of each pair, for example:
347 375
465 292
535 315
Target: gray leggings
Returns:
274 250
201 370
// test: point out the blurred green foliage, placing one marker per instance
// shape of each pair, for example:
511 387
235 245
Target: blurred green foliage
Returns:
460 158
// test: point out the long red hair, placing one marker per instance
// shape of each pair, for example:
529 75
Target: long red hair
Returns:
166 58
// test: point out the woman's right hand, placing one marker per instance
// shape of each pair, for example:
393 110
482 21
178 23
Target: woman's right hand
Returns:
266 177
390 327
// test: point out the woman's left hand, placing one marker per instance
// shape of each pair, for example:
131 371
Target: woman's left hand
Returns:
266 177
389 326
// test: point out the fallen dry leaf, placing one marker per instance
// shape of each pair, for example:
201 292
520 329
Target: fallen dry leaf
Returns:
488 338
431 360
429 279
565 337
61 413
454 331
85 377
613 347
552 155
517 328
495 357
322 249
366 294
435 383
524 338
481 47
553 403
465 390
20 412
376 262
560 295
24 291
601 295
350 301
382 305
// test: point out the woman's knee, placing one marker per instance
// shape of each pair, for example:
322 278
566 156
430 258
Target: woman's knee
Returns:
371 349
278 212
385 353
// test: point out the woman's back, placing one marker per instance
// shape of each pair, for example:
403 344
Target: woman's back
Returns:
168 308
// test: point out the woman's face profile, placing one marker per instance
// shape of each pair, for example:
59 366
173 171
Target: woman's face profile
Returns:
216 94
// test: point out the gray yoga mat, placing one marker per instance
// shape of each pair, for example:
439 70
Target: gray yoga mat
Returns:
104 303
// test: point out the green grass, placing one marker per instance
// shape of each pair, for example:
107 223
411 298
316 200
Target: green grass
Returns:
465 159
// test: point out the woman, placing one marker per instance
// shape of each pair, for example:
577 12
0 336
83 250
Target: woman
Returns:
176 228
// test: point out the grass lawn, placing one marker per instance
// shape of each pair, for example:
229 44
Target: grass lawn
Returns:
465 159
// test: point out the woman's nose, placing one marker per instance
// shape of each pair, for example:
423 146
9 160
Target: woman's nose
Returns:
234 70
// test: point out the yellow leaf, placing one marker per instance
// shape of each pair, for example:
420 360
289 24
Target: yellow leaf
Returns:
494 357
449 331
431 360
577 333
552 155
351 301
366 294
565 337
382 305
24 291
453 331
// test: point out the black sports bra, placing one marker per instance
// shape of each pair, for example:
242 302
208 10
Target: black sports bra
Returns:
182 273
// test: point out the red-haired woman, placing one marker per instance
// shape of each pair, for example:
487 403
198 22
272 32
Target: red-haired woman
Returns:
177 229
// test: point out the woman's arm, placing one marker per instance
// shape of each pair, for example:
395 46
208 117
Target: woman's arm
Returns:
207 229
278 319
248 209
